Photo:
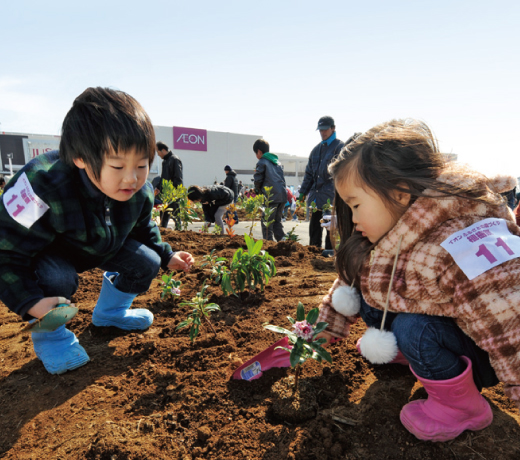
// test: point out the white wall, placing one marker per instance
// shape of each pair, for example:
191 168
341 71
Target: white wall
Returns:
235 150
199 168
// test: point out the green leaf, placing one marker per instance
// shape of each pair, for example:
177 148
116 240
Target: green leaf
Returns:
278 329
300 312
257 247
321 352
312 316
320 327
296 352
249 242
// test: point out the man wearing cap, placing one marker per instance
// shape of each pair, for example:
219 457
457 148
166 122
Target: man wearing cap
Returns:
231 181
172 171
317 183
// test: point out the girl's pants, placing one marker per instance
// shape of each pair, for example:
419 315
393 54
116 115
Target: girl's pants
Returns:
136 264
433 345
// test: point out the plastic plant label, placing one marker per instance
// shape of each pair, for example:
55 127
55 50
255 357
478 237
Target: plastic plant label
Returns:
22 204
482 246
251 371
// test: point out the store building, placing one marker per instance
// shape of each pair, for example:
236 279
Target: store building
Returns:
204 154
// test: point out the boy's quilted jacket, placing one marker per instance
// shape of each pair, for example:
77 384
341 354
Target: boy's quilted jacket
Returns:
81 224
428 280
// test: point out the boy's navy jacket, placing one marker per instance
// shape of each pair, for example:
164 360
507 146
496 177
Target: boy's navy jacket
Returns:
317 182
81 224
268 174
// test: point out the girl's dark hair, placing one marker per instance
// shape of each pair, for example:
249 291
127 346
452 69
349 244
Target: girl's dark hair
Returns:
196 193
396 156
102 120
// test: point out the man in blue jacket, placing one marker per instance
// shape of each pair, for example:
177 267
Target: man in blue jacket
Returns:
317 182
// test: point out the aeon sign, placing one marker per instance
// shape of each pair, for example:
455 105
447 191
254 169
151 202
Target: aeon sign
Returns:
190 139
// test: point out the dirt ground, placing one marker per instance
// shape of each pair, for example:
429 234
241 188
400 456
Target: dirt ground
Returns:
154 394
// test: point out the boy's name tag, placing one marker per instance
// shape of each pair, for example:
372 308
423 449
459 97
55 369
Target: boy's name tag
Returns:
482 246
22 204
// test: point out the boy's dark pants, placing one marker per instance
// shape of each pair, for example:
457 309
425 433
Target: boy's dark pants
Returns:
136 264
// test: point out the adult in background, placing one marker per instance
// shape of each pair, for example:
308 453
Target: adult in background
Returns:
269 173
215 199
231 180
172 171
317 182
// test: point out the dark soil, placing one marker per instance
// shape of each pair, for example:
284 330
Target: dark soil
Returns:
155 395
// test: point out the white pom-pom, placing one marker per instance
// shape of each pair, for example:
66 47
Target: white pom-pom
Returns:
379 347
346 300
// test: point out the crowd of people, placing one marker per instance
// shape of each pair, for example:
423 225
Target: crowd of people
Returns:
427 257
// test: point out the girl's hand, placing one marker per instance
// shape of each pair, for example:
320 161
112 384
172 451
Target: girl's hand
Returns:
330 338
181 261
45 305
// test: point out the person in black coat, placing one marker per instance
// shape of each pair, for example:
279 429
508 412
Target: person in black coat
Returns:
215 199
172 171
231 181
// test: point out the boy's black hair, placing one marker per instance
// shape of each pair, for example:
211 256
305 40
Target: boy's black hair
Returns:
102 120
262 145
162 146
2 181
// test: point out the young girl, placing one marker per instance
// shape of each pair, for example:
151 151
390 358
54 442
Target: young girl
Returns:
437 245
214 201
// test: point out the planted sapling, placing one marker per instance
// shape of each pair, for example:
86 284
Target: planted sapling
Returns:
201 311
291 236
170 287
248 269
303 339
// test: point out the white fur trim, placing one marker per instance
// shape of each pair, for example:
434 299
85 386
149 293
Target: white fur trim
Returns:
346 301
379 347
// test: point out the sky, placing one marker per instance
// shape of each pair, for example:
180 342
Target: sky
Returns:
273 68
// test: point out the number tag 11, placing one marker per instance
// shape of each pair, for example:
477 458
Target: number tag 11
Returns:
482 246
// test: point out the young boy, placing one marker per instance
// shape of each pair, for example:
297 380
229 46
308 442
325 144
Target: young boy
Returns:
88 205
269 173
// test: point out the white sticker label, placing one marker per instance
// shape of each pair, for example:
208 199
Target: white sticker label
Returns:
251 371
482 246
22 204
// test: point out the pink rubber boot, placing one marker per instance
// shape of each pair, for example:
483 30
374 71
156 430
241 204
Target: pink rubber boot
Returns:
399 359
452 406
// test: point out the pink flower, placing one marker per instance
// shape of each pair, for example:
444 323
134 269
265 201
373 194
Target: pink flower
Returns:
176 291
304 330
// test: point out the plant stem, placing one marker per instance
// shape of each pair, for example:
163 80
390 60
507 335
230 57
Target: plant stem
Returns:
211 325
296 375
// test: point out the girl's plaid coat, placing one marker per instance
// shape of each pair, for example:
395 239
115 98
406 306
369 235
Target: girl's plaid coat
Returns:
428 280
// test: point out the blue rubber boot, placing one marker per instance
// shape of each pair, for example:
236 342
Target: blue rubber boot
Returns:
59 351
113 308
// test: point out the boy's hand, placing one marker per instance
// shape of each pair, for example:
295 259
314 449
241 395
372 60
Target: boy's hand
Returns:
45 305
181 261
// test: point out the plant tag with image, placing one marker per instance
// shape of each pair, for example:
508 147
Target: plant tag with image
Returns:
251 371
482 246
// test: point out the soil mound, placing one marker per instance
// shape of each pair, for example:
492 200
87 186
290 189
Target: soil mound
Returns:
154 394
